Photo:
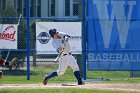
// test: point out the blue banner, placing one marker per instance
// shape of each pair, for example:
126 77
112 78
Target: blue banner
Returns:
113 35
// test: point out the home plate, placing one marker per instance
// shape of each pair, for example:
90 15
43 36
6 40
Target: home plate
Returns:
69 84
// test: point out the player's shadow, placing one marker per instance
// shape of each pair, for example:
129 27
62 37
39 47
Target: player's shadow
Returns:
17 72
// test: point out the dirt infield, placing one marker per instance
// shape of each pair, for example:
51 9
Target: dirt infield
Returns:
96 86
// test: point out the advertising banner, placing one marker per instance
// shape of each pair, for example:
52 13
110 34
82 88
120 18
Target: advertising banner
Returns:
113 35
8 36
44 41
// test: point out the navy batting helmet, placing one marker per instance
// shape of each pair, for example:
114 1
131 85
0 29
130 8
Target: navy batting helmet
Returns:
52 32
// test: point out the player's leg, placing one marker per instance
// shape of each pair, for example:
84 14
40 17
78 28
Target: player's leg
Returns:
47 77
63 64
75 67
1 74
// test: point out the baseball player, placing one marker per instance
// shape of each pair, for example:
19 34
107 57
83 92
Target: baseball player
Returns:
5 63
65 58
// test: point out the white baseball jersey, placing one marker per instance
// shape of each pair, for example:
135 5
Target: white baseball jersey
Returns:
57 43
67 59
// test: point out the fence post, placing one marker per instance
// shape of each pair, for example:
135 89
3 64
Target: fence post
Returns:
34 58
28 37
84 38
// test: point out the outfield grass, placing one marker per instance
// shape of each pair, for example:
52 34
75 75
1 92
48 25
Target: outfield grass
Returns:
38 73
59 91
37 76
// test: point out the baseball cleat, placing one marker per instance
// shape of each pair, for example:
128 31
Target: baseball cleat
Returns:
45 81
82 83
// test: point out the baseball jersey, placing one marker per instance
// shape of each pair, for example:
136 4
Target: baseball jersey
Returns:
57 43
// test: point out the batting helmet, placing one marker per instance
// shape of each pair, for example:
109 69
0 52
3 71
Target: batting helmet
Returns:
52 32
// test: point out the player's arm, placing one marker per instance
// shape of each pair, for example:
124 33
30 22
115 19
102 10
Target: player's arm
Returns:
60 49
66 37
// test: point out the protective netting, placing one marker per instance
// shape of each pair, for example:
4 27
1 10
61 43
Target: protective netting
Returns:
32 42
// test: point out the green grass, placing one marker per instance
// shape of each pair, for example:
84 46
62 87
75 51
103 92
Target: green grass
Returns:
113 76
108 74
59 91
37 76
38 73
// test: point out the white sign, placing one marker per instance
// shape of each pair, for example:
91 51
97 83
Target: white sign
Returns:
8 36
44 41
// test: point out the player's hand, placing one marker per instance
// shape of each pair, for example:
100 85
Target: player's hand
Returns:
65 39
59 50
